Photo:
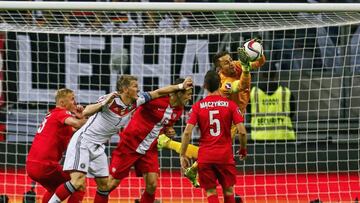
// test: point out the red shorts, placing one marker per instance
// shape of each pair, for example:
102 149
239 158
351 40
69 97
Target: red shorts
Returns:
209 173
123 158
50 176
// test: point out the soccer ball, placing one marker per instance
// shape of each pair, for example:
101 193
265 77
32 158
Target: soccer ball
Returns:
254 49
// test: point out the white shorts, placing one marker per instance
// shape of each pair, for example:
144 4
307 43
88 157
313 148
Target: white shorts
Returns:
85 156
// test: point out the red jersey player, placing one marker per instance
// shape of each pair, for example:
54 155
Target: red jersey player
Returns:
214 115
138 144
51 141
85 154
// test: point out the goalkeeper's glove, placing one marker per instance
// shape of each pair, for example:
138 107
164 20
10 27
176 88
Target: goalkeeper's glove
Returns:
244 59
242 153
257 40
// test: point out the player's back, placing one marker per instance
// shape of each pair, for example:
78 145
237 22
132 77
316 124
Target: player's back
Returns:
51 138
215 115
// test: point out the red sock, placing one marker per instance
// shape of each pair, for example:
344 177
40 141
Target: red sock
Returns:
147 198
213 199
76 197
64 191
101 196
46 197
229 199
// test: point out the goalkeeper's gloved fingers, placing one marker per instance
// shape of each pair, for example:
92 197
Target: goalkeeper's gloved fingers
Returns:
257 40
244 59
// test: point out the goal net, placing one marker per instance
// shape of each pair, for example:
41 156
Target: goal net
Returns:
313 48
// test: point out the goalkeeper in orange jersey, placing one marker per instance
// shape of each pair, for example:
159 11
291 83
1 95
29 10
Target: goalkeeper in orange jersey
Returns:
235 84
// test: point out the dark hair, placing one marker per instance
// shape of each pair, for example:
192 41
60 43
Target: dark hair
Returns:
217 56
124 81
212 81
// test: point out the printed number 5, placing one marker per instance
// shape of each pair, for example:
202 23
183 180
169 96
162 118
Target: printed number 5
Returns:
214 121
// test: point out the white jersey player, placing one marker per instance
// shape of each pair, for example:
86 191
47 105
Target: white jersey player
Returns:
86 150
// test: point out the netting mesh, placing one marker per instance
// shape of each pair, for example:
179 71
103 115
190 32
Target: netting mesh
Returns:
152 22
315 54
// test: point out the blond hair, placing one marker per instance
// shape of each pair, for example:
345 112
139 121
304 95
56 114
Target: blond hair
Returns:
124 81
61 93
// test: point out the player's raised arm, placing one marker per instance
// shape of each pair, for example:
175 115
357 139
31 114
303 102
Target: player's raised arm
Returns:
93 108
74 122
185 140
187 84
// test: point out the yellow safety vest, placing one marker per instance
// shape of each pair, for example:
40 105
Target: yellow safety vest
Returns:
270 115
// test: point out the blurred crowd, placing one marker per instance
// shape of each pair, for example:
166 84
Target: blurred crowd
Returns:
81 19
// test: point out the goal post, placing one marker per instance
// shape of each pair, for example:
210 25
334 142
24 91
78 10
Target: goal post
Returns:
84 46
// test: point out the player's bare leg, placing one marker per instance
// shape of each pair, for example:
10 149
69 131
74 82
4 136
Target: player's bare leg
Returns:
148 195
192 152
229 195
113 183
212 195
192 174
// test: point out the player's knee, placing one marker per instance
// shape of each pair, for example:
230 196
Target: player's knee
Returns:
151 186
102 184
78 181
103 187
228 190
211 191
113 183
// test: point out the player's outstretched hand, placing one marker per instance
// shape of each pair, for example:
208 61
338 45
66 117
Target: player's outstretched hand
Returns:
185 162
244 59
110 97
242 154
188 83
78 111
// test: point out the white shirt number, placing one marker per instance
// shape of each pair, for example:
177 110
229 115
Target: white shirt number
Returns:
42 125
214 121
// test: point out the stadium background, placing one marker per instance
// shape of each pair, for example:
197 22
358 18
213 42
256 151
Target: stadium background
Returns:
322 164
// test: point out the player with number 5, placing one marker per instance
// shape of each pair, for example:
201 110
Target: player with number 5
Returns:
214 115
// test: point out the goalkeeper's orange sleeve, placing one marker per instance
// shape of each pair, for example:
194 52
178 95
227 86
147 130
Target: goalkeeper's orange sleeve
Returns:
258 63
191 152
244 92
